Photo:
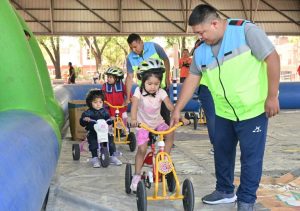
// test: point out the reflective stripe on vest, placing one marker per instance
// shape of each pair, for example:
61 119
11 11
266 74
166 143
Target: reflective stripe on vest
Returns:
239 84
148 52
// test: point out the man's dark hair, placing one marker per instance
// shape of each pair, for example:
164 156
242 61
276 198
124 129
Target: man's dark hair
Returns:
27 33
133 37
70 63
202 13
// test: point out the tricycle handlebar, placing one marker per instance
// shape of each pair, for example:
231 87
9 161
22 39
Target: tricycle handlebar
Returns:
146 127
112 106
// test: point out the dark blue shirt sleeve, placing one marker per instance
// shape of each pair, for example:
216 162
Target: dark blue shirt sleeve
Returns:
106 116
81 121
88 125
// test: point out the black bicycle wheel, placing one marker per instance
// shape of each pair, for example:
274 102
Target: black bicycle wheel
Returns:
104 157
128 126
195 121
171 181
141 197
76 151
46 200
128 178
132 140
188 193
187 115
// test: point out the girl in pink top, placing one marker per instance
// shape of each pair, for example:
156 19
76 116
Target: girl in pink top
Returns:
145 108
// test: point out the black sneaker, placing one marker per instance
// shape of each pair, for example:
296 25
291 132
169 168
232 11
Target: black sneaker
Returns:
242 206
218 197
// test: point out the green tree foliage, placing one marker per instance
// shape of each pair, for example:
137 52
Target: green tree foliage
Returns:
96 45
294 39
183 42
116 52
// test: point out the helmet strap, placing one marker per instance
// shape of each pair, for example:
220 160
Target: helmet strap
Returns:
147 93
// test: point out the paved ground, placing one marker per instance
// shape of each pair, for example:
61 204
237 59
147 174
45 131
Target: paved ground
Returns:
77 186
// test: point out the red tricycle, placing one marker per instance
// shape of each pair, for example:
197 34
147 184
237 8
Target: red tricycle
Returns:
162 171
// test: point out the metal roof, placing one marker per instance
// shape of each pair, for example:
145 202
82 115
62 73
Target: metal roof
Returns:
150 17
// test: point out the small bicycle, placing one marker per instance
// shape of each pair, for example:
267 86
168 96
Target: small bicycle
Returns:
127 137
193 115
101 129
163 171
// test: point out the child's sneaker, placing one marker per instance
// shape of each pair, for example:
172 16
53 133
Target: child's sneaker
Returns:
115 160
96 163
134 182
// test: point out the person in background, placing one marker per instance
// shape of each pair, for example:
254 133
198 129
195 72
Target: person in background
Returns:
242 70
95 111
96 77
184 64
72 75
115 91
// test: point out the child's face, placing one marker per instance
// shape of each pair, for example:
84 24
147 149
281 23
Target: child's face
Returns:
152 84
97 104
111 79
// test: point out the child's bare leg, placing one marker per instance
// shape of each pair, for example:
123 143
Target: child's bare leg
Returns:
139 158
169 142
124 118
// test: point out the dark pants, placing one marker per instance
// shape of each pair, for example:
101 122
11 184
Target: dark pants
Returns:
251 135
93 144
164 111
208 106
72 80
182 79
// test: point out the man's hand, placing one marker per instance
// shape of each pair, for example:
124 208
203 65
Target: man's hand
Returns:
272 106
175 118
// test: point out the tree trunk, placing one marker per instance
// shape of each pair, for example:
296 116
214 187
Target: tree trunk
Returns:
57 59
183 43
55 56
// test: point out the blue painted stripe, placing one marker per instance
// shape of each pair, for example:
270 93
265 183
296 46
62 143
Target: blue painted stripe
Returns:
66 93
28 158
289 95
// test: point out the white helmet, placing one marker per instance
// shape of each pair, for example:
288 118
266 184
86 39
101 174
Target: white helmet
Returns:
150 65
115 71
